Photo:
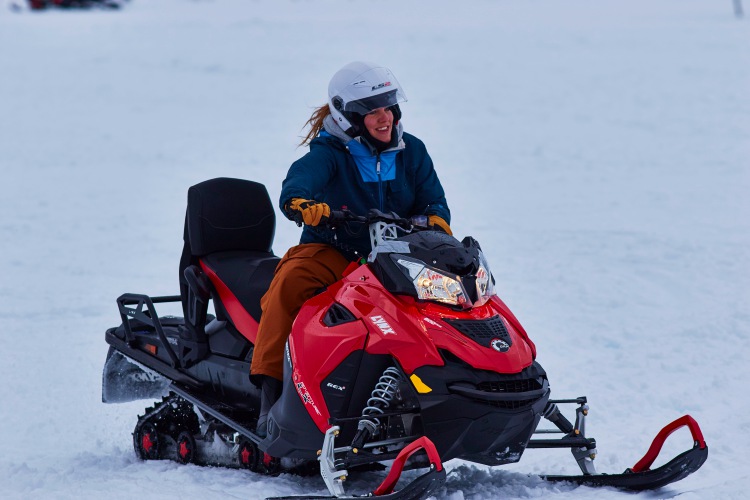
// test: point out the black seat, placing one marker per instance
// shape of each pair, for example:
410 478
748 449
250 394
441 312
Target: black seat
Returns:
229 227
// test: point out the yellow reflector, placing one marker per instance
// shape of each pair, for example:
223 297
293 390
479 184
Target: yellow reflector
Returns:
420 386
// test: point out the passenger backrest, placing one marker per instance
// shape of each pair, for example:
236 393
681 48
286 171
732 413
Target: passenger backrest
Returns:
226 214
223 215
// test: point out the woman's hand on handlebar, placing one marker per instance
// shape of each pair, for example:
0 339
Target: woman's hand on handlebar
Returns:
310 212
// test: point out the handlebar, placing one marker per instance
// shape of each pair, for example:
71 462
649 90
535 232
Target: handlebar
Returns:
338 217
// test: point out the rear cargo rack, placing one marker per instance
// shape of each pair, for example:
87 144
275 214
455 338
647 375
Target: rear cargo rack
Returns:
148 317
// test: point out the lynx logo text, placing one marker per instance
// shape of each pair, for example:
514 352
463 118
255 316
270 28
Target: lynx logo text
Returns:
383 325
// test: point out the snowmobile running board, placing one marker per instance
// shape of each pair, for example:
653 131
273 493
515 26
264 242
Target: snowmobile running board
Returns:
641 476
211 410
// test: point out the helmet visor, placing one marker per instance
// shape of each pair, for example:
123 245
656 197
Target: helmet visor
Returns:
368 104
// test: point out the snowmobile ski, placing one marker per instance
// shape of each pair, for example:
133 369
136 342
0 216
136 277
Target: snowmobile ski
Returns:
641 476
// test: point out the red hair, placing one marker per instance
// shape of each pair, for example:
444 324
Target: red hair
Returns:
316 124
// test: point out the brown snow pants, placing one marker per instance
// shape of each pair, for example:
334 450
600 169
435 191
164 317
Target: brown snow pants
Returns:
303 270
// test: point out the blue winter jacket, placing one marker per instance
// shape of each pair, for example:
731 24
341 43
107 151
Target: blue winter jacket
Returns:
329 173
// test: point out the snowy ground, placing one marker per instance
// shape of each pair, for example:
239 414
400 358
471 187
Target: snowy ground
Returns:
599 150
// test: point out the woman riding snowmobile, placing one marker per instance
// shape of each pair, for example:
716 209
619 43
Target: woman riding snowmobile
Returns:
360 158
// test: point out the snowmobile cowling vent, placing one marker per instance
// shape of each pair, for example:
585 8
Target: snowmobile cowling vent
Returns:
338 315
509 386
484 331
506 394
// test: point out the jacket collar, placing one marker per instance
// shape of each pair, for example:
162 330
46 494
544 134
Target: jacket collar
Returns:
333 128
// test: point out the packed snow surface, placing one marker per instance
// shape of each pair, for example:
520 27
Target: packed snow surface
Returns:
598 149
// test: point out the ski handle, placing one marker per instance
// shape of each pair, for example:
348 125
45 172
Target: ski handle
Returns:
653 451
423 443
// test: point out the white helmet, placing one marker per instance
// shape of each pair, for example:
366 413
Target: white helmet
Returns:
361 87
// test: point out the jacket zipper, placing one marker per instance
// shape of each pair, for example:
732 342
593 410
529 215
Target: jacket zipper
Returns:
380 184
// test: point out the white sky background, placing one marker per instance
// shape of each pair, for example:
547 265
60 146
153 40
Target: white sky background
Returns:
598 150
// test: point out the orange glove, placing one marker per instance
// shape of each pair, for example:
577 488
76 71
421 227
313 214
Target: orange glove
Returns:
436 220
310 212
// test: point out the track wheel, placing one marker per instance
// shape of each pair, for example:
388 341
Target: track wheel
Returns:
185 448
146 442
248 454
270 465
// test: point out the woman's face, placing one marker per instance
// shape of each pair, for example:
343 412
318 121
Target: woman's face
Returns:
379 123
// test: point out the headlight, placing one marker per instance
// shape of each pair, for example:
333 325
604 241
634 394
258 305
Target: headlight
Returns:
432 284
485 288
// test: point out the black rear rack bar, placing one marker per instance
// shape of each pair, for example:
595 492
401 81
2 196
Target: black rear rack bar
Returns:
150 319
155 300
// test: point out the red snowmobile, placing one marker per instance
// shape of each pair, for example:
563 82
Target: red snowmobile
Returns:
410 358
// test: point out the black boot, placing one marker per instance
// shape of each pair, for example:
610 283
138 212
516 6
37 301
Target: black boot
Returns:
270 391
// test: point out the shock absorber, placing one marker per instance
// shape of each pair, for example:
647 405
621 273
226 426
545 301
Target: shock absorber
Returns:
380 399
552 413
